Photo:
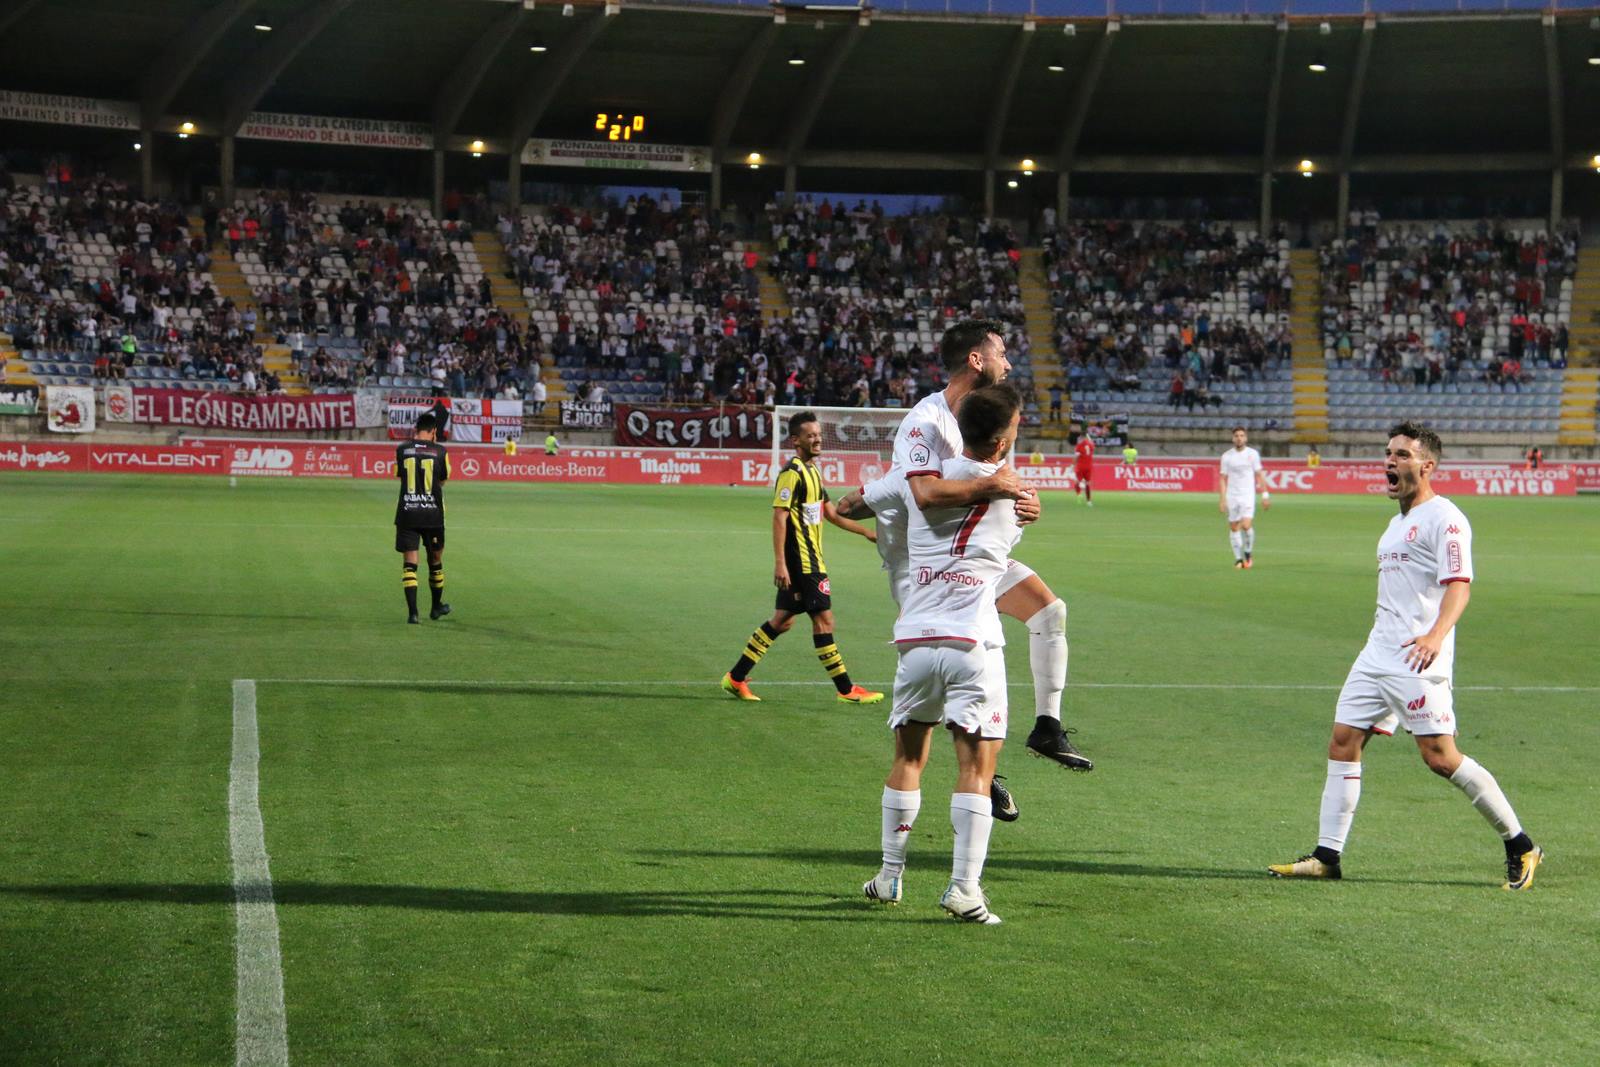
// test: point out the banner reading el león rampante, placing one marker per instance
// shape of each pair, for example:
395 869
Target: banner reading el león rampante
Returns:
471 421
240 411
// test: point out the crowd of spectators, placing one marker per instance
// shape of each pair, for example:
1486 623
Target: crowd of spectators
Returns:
89 270
1438 304
1201 302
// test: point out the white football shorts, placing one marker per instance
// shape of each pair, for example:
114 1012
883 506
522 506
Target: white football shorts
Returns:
960 685
1016 573
1241 509
1374 701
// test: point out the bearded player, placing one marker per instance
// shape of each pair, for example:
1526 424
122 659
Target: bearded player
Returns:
974 356
1424 582
1240 478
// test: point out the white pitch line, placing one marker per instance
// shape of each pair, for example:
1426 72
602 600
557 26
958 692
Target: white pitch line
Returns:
474 683
261 1036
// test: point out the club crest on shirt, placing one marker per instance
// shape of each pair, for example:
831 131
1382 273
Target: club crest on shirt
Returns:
1411 534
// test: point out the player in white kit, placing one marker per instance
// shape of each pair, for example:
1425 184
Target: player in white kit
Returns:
1238 482
1424 582
952 659
974 356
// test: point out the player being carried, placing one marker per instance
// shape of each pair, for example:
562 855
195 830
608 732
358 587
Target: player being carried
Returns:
1404 672
799 505
423 466
952 659
1238 482
974 356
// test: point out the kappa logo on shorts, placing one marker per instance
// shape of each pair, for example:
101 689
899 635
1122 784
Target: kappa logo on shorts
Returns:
994 720
1416 705
824 588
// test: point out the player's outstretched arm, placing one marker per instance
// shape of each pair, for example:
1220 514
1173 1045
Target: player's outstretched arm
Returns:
853 505
831 513
1423 649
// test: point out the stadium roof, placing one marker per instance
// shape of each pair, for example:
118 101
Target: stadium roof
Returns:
893 88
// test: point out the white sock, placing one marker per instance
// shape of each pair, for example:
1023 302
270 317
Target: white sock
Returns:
971 817
900 807
1340 795
1236 539
1047 655
1475 780
1249 540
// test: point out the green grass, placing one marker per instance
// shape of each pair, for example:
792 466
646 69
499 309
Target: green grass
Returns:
549 872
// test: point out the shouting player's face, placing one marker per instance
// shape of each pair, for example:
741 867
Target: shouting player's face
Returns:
992 365
1407 465
808 442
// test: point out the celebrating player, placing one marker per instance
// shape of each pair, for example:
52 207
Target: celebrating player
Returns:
1241 477
799 504
952 659
1083 469
423 466
974 356
1424 581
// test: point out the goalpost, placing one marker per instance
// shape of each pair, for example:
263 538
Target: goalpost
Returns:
863 435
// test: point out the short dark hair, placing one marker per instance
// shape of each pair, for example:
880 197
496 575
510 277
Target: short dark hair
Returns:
1421 434
427 421
1239 426
963 337
799 419
985 413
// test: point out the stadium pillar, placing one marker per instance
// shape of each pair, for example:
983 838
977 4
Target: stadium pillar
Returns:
1343 210
227 169
988 192
514 180
716 184
1266 204
1063 196
1558 188
791 181
438 183
147 164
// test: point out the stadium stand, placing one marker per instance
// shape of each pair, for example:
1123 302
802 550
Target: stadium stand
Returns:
1182 326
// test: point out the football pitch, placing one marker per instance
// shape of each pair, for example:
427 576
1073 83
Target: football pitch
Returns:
537 832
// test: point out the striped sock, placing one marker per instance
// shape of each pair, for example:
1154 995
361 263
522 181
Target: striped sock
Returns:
759 645
408 582
436 582
832 661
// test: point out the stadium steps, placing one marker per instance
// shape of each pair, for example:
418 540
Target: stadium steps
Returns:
1304 310
1039 318
774 298
1580 391
1310 403
497 268
276 358
16 370
1585 328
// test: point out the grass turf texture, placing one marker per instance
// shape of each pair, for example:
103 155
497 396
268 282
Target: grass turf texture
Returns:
567 869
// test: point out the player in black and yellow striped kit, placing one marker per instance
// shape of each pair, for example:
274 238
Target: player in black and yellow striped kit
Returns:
423 466
799 505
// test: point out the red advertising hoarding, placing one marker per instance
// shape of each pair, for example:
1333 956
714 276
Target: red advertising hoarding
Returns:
726 466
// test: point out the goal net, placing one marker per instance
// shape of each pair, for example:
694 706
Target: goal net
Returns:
857 443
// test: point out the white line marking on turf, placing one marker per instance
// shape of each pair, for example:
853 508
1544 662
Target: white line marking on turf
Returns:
261 1032
474 683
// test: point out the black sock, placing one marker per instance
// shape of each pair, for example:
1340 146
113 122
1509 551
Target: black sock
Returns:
436 582
1518 845
759 644
1326 855
408 582
832 661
